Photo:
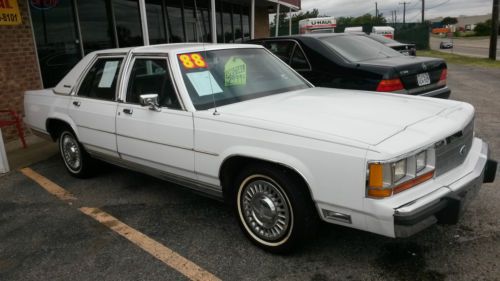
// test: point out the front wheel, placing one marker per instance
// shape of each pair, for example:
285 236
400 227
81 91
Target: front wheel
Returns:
75 158
273 208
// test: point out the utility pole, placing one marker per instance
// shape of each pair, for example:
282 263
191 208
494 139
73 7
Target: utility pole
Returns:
423 10
494 31
404 10
376 11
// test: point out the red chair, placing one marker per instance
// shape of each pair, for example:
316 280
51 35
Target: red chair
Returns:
13 120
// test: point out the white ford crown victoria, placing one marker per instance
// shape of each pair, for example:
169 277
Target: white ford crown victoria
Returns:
235 122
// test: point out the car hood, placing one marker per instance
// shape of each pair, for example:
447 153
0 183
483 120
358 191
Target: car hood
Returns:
329 114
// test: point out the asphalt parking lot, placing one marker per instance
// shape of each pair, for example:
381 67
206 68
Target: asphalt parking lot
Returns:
45 238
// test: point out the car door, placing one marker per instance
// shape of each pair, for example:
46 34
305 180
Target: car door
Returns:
160 138
93 108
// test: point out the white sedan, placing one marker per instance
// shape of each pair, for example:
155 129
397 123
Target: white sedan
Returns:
235 122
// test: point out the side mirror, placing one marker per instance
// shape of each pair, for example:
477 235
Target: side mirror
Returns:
150 100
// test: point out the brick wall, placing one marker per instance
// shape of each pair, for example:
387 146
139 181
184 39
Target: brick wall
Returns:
18 66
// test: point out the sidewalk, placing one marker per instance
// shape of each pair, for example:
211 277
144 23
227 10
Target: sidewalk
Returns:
38 149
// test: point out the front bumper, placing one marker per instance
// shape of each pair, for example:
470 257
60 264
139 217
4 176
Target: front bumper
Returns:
446 205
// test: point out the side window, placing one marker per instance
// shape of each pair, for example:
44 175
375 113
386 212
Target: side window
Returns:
299 60
151 76
100 82
282 49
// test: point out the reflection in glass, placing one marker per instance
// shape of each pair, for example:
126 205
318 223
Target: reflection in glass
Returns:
156 22
58 45
190 21
227 22
128 23
238 33
218 8
174 13
245 18
95 25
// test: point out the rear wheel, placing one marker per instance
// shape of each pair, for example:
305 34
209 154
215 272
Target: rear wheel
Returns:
273 208
75 158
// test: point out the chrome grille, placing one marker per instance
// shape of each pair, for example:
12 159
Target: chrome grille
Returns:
452 151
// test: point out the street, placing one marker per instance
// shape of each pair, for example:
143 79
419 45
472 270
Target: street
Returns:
47 237
468 47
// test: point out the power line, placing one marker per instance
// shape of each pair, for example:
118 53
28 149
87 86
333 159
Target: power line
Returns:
439 5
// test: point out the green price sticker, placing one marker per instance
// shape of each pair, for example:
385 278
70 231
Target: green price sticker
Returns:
235 72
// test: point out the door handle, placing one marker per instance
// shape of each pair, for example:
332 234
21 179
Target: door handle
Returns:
128 110
77 103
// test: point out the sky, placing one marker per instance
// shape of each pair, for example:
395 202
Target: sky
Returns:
434 8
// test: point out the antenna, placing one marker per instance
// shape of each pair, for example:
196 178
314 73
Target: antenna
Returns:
199 31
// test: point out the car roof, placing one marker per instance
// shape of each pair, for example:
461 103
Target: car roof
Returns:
175 48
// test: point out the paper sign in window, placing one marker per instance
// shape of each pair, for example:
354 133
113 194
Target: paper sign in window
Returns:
204 83
108 74
235 72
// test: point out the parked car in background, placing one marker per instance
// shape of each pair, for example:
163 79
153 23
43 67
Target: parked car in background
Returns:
237 123
446 45
403 48
351 61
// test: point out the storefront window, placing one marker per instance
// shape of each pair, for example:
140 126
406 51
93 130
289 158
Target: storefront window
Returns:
227 22
96 25
128 23
245 18
190 21
57 40
204 20
156 21
238 32
220 32
175 23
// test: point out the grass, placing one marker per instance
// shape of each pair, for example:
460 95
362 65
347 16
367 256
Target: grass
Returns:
459 59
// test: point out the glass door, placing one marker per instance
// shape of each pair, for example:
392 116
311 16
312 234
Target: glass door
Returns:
56 36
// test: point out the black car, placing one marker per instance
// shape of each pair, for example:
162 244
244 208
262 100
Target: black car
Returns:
356 62
403 48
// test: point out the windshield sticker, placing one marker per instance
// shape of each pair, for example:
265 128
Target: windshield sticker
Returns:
108 74
204 83
192 61
235 72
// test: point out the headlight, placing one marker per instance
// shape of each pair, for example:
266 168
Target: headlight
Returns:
386 178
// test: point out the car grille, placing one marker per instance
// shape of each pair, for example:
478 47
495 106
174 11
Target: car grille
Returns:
452 151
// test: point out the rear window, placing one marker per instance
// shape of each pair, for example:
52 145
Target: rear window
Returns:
359 48
382 39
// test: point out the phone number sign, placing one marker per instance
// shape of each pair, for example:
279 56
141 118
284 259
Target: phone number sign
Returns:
9 13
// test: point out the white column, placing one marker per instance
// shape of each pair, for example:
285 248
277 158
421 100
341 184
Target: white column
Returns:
277 24
252 20
290 21
213 17
4 164
144 22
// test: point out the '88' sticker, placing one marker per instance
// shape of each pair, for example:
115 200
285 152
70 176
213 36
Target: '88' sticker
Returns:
192 61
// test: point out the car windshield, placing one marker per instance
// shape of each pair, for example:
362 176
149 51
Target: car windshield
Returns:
221 77
382 39
358 48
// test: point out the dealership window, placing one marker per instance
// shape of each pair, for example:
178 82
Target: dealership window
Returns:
155 11
96 25
227 22
175 22
128 23
57 40
104 24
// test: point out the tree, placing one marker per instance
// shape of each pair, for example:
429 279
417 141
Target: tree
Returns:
449 20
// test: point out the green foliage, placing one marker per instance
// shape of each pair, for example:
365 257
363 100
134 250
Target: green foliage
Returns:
449 20
483 28
366 19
